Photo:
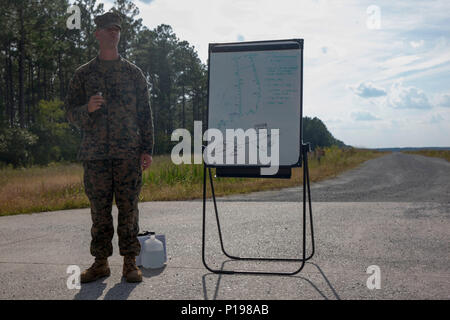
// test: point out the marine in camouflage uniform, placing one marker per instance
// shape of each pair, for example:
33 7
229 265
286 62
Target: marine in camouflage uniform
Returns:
113 139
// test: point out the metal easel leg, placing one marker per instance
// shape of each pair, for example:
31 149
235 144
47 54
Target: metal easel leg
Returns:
306 185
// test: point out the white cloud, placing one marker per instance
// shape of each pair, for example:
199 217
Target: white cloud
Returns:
368 90
401 97
436 118
399 61
364 116
444 100
416 44
433 59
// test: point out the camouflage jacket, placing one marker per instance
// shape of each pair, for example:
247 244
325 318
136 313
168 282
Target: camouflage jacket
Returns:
123 126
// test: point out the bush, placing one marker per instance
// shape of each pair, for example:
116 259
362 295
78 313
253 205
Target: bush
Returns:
57 139
15 146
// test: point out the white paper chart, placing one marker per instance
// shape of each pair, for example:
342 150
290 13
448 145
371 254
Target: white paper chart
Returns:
259 88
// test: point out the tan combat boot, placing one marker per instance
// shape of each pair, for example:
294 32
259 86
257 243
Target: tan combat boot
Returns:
99 269
130 271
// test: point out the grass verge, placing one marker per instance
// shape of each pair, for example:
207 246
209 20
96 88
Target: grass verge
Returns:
444 154
60 186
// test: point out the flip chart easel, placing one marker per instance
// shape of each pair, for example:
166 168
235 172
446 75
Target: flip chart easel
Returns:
250 83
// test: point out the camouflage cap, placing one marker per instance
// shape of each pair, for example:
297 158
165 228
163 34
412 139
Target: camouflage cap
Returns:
107 20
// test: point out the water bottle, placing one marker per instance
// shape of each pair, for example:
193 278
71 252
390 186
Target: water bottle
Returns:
153 253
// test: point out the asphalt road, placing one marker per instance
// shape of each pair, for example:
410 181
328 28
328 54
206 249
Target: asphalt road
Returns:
392 212
395 177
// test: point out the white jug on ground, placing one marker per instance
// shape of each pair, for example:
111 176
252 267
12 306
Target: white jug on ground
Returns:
153 256
141 239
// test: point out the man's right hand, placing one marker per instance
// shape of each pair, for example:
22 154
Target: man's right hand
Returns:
95 103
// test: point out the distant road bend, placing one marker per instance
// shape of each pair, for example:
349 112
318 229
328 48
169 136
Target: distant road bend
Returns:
396 177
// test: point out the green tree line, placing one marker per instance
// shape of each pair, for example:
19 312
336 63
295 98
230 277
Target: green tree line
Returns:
316 133
38 55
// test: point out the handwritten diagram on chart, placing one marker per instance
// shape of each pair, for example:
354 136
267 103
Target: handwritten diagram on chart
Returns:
259 90
250 89
247 96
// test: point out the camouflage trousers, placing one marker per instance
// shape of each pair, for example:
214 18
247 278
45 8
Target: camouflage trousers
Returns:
121 178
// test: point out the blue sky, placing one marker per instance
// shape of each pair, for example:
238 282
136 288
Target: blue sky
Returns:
376 72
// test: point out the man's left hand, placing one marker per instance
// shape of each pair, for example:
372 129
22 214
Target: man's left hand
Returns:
146 161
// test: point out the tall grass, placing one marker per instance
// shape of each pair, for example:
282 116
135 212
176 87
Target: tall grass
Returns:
444 154
60 186
55 187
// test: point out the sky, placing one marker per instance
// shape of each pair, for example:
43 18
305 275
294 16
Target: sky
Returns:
377 73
